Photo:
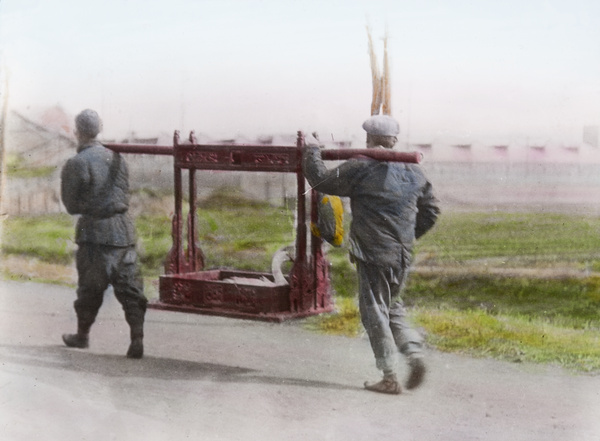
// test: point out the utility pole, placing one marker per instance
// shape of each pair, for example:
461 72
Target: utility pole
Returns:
3 120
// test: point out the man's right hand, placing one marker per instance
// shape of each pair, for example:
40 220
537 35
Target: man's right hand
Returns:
313 141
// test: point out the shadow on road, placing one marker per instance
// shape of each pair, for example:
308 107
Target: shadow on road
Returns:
109 365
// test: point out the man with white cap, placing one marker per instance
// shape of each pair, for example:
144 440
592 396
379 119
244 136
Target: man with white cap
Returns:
95 185
392 205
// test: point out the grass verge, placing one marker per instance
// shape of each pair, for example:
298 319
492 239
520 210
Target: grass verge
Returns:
345 321
533 320
47 238
512 318
512 338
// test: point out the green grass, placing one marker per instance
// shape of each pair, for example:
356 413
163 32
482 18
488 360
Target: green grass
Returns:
513 338
233 232
533 320
48 238
477 313
345 321
17 167
343 274
154 242
568 301
516 239
518 319
238 233
229 224
512 318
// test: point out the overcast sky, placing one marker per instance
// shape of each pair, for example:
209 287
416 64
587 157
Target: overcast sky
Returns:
483 70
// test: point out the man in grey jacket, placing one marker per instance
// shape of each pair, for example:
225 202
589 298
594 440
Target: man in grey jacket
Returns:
392 205
95 185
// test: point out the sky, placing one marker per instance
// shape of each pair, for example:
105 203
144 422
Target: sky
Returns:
489 71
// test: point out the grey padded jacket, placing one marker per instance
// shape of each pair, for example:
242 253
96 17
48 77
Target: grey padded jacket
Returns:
392 204
95 184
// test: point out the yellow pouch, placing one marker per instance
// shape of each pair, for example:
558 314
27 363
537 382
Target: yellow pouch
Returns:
330 220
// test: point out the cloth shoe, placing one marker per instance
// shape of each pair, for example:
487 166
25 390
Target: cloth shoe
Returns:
389 385
76 340
416 374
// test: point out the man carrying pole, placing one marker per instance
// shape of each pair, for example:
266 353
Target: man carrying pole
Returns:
392 205
95 185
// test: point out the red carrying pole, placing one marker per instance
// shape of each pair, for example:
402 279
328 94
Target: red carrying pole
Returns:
378 154
141 149
326 154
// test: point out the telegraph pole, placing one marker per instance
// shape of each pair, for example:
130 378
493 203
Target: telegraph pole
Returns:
3 120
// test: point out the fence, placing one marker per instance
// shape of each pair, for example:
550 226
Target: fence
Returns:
456 184
37 196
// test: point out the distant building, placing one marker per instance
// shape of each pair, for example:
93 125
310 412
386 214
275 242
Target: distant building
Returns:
38 144
35 146
463 170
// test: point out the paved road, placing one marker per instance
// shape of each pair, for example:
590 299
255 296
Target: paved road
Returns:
214 378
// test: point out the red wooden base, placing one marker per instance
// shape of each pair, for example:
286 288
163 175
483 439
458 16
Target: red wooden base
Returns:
208 292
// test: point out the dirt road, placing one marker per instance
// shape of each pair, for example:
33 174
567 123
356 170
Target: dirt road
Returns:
214 378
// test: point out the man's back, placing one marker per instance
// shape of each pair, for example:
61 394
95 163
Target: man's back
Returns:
95 184
392 204
386 198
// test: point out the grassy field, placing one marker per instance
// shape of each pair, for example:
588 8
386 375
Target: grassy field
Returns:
47 238
17 167
460 304
514 240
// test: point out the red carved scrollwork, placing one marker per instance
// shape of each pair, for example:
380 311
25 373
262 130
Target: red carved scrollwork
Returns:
245 297
181 292
213 294
266 158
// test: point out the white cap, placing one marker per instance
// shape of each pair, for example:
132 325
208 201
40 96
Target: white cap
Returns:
381 125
